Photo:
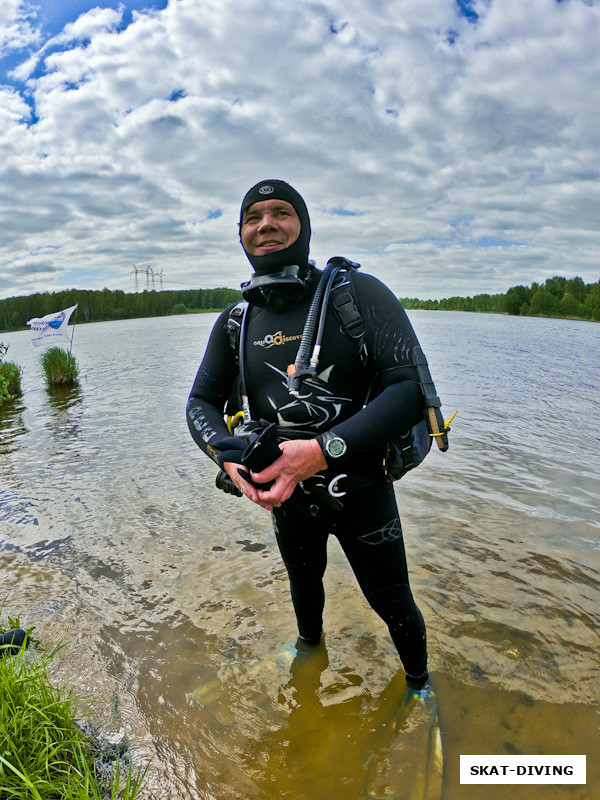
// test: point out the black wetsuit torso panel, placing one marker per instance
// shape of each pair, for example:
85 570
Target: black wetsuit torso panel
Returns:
334 398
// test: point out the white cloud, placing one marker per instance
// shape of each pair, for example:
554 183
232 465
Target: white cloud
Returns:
16 29
466 151
89 25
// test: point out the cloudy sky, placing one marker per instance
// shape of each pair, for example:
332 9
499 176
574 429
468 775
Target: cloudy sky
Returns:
450 146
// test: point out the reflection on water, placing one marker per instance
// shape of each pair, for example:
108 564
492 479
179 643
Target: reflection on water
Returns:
12 425
63 422
61 398
174 602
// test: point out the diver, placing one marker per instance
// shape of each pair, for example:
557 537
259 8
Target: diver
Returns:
310 448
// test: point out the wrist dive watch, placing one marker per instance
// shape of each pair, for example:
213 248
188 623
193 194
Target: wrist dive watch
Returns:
333 446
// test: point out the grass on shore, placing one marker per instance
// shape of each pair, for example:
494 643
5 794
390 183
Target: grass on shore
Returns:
10 381
60 367
10 377
44 754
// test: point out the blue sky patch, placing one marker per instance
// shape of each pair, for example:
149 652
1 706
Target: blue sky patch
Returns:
335 29
465 8
341 212
53 15
178 95
490 241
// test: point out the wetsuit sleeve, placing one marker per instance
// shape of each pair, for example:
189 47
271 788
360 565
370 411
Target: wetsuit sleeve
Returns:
211 389
398 400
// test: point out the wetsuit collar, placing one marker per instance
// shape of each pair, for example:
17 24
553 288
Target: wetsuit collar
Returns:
278 289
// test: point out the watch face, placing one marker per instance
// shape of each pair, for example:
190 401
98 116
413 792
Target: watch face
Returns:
336 447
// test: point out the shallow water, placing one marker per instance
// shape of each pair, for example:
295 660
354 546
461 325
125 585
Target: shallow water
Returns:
174 603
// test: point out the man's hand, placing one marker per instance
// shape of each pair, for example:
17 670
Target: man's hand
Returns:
234 470
299 459
249 491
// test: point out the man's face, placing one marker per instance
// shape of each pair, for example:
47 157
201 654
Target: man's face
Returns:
269 226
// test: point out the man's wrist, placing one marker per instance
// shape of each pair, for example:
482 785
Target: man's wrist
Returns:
319 461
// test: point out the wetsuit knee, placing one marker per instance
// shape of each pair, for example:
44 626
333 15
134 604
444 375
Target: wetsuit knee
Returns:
393 603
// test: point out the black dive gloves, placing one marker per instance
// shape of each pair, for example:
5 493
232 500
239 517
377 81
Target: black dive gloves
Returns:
261 451
12 641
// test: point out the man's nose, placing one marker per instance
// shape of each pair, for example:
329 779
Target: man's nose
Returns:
266 223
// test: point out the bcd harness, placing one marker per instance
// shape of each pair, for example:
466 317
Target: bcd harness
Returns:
405 451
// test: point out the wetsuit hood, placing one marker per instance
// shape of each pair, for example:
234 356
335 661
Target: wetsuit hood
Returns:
286 273
297 252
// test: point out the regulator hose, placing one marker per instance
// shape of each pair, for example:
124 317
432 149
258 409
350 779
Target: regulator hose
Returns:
305 366
303 356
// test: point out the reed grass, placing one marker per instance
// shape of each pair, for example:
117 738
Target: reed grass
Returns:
44 754
10 377
10 381
60 367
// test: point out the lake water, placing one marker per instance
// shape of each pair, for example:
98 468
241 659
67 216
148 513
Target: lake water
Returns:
174 603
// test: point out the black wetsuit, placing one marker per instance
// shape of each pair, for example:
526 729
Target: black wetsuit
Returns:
368 527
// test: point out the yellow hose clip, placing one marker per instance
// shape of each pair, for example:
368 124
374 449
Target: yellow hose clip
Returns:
446 426
449 422
233 421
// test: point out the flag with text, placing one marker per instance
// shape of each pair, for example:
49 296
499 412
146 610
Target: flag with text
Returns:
52 328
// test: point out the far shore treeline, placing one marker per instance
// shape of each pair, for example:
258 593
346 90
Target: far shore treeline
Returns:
569 298
106 304
558 297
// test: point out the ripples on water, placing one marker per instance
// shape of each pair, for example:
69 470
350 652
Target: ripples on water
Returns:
174 600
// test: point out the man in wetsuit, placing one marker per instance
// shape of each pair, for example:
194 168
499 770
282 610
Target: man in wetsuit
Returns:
325 430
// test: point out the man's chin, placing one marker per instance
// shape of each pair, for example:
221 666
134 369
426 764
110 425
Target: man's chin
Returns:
263 251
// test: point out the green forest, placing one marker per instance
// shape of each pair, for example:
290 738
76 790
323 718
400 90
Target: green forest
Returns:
569 298
557 297
105 304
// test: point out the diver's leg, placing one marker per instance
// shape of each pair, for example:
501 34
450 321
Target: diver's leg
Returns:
370 533
303 547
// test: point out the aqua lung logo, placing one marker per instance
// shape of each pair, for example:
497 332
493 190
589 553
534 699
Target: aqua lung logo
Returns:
274 339
266 189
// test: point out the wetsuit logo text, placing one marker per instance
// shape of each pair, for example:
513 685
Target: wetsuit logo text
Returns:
273 339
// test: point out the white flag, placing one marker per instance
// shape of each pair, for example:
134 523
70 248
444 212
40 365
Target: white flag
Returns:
51 328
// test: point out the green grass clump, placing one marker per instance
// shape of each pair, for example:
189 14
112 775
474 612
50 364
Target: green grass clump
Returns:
10 381
60 367
44 755
10 377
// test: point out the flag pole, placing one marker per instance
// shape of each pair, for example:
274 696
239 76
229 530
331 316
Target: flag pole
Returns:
73 331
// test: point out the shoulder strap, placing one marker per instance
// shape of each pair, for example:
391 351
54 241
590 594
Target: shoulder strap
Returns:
342 299
234 326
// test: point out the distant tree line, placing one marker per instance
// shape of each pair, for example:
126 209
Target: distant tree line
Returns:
569 298
557 297
105 304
